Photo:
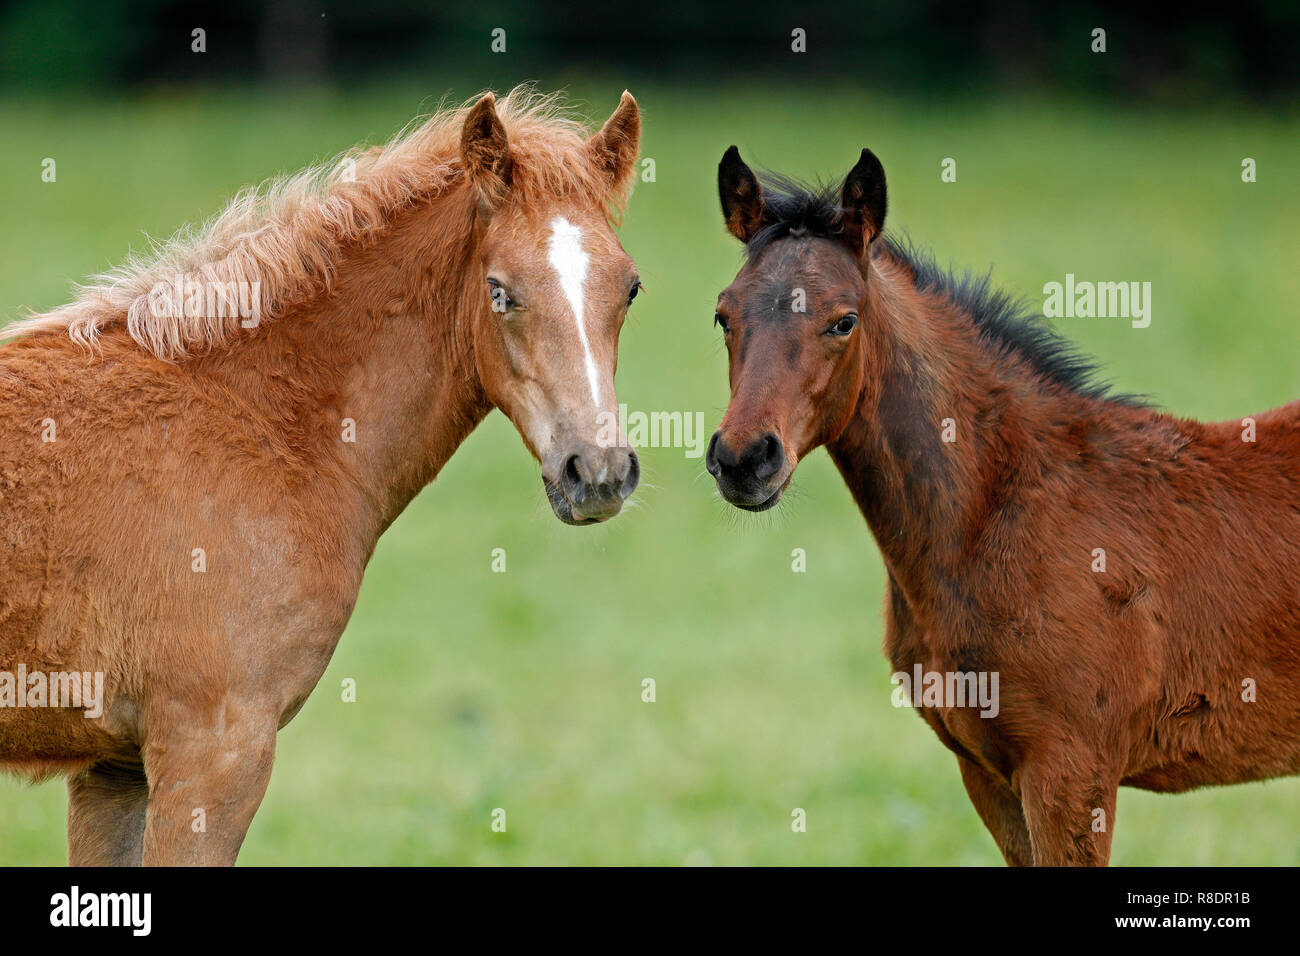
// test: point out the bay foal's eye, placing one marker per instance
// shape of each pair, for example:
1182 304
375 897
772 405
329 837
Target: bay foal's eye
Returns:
844 326
721 322
636 287
501 301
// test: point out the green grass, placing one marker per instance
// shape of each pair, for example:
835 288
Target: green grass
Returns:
523 690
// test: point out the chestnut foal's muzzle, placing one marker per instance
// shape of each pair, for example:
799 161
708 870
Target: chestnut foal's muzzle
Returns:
592 483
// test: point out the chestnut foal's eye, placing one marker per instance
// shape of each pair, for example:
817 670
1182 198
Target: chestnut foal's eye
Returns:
721 323
501 301
844 326
636 287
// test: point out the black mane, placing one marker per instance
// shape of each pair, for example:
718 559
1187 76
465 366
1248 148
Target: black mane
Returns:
1006 321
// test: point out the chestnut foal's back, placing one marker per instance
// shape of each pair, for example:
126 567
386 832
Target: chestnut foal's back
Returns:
1124 574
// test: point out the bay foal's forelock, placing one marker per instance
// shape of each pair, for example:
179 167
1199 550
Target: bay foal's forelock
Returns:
1125 573
190 498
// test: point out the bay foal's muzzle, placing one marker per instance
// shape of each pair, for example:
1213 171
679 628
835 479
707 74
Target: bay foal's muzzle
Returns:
592 482
750 475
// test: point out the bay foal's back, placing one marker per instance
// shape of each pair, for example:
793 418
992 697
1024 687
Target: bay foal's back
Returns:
1125 574
189 496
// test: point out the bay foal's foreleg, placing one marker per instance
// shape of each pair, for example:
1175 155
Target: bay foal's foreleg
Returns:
205 784
107 805
1069 804
999 808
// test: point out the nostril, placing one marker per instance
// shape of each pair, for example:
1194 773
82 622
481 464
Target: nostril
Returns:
633 476
711 456
770 457
573 483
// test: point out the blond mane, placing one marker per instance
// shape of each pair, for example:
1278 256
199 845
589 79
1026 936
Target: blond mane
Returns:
288 233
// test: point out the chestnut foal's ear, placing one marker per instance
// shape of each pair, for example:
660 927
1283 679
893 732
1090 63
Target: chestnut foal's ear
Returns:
742 197
485 151
613 150
863 203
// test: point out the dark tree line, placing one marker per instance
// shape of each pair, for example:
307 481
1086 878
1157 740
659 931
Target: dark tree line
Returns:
1242 49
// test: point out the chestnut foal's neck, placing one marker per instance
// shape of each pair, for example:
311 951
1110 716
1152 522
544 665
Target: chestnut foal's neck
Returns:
416 379
389 350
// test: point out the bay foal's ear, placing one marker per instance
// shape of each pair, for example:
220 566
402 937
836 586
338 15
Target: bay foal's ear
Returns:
613 150
741 195
862 202
485 151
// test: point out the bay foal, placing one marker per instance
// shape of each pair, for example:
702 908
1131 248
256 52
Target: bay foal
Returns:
1127 574
200 453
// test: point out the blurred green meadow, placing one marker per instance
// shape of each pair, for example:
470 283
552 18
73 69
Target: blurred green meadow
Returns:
523 690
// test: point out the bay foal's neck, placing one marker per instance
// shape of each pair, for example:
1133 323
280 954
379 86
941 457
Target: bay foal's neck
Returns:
390 349
954 430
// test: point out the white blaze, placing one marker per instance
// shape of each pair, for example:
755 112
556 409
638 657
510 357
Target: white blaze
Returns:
569 260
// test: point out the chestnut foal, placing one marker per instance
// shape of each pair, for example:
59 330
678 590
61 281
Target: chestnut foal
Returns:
201 452
1122 571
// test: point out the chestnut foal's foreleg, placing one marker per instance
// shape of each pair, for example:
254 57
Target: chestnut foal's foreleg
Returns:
1068 799
205 784
999 808
106 814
